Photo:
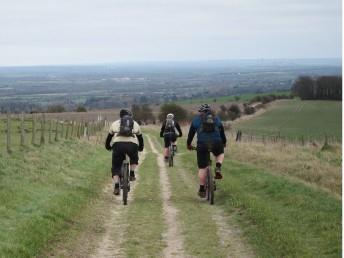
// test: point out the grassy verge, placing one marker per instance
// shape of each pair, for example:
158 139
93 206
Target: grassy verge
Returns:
43 190
319 167
143 236
280 217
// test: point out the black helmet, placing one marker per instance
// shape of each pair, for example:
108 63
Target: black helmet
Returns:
204 108
125 112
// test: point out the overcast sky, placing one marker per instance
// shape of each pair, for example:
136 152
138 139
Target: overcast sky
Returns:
35 32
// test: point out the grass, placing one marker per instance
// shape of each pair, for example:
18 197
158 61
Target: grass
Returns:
43 190
225 99
279 216
296 118
312 165
144 217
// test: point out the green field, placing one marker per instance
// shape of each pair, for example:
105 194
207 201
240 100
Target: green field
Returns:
225 99
296 118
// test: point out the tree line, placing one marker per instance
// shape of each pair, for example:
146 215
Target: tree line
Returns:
321 88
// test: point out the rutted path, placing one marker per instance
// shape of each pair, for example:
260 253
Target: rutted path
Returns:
111 242
173 236
230 241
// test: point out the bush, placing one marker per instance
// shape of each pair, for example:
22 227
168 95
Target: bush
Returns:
56 109
81 109
248 110
179 112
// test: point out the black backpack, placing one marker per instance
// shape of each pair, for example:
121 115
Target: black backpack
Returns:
169 126
126 126
208 123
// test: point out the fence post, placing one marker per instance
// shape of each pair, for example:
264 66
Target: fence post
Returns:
67 130
62 129
42 129
8 144
33 129
22 140
56 131
50 127
72 132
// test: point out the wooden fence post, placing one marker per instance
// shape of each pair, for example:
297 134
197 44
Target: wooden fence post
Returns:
62 129
72 132
33 129
67 130
56 130
8 142
42 129
22 139
50 127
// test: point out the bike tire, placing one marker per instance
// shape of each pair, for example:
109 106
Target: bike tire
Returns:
125 183
170 157
207 185
211 187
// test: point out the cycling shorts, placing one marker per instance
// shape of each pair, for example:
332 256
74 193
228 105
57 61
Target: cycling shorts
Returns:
119 150
168 138
203 155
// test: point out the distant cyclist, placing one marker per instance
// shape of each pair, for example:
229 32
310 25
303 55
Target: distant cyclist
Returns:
124 138
168 131
210 132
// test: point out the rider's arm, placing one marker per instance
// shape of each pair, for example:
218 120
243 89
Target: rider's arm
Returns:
191 135
108 141
140 139
180 133
162 129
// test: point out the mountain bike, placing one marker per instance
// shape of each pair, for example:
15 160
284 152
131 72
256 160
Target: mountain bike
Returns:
210 184
170 154
124 179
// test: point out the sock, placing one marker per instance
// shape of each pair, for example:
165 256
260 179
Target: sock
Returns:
218 164
116 185
132 173
201 188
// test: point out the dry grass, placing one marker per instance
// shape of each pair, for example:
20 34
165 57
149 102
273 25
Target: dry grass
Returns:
320 168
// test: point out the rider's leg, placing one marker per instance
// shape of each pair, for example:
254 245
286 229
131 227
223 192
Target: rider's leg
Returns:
117 159
167 144
218 152
133 154
202 162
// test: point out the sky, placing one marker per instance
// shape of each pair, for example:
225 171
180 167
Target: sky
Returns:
56 32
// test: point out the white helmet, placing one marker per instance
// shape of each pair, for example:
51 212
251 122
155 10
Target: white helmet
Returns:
170 116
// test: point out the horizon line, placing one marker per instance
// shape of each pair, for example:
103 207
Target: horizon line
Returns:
133 62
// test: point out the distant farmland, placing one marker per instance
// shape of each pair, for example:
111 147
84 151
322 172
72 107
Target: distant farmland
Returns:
295 118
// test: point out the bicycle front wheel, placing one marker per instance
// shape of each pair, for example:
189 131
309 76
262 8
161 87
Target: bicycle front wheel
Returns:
210 180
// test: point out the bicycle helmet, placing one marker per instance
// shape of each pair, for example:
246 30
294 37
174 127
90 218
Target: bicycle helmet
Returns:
204 108
125 112
170 116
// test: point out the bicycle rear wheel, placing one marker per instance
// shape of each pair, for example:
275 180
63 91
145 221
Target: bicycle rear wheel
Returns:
170 156
210 180
125 181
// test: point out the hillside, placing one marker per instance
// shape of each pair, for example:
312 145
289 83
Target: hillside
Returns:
295 118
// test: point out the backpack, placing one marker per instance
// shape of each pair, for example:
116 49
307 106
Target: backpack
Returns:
208 123
126 126
169 126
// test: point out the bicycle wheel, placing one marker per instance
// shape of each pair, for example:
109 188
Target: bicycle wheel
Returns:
210 186
170 156
207 185
125 184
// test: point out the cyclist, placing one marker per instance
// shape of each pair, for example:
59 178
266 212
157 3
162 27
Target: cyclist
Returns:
124 138
210 132
168 131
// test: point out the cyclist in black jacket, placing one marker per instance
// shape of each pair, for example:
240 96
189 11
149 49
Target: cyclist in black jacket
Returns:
168 131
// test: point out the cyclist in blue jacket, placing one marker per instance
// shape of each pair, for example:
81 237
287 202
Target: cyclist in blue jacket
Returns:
210 136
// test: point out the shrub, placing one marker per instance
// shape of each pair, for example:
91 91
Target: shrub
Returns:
81 109
179 112
56 109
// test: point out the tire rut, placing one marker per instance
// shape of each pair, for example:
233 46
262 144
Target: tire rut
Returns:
172 236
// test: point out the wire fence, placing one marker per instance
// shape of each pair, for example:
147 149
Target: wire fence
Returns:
22 130
240 136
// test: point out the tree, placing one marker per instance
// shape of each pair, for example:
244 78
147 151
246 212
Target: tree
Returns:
304 87
56 109
179 112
